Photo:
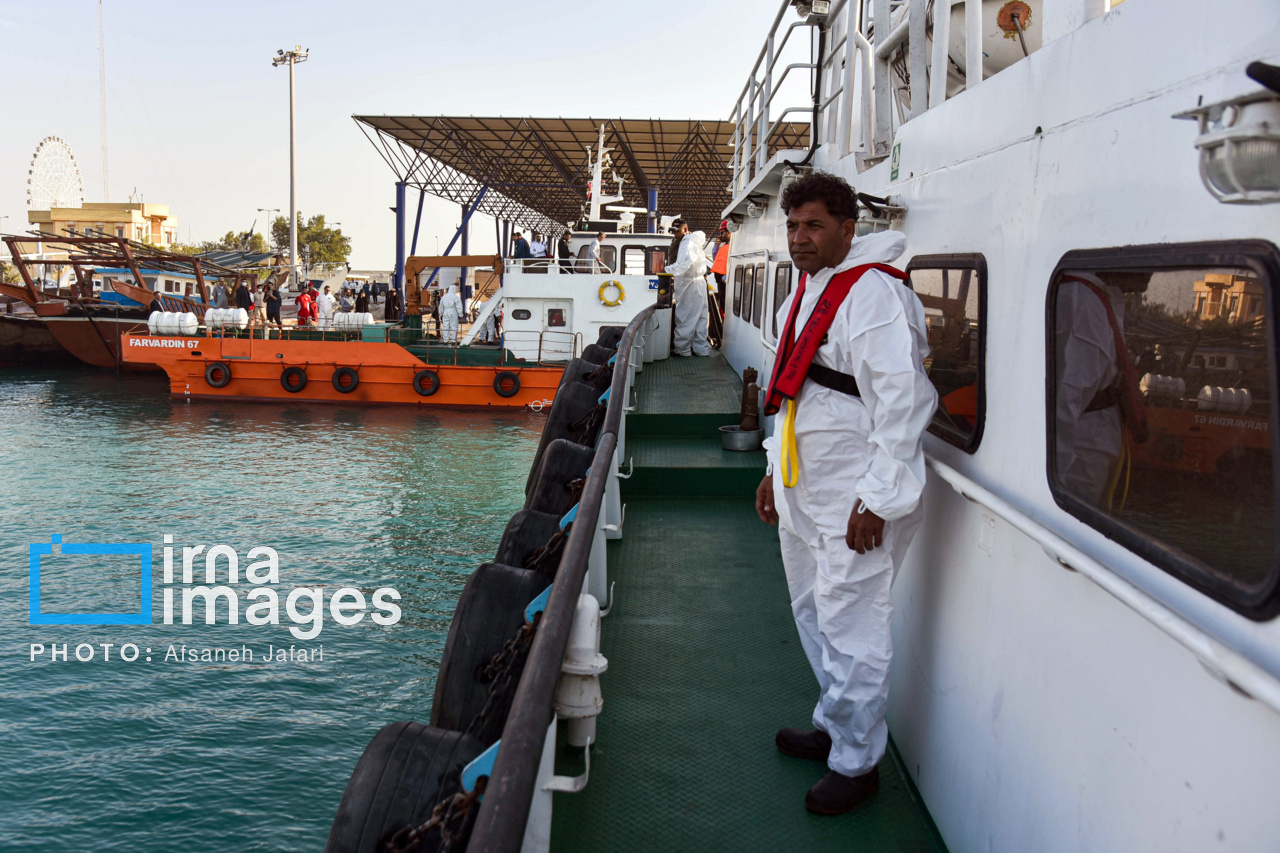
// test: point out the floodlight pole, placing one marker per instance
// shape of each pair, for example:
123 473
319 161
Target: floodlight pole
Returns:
292 58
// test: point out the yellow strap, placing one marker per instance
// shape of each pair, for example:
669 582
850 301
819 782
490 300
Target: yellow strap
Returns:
790 462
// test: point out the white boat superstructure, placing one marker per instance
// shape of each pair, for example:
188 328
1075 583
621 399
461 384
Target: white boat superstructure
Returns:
1086 655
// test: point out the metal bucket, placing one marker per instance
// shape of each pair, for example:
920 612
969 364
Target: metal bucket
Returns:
735 438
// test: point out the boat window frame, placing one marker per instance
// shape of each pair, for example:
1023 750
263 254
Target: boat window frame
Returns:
977 262
777 303
739 275
622 259
1259 256
649 252
759 294
748 291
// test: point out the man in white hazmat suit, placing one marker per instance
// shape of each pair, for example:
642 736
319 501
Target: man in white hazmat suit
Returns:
857 402
325 306
690 271
450 311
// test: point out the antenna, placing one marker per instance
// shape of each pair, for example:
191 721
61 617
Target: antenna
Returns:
102 89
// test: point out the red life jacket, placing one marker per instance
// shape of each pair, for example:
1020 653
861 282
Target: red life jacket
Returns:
796 355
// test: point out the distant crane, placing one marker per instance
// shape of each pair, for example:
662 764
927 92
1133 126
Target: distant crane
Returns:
102 90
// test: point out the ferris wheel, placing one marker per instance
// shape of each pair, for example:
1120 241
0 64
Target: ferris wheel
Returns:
54 178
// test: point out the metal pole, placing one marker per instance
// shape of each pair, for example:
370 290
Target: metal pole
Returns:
462 273
653 211
398 282
293 181
417 222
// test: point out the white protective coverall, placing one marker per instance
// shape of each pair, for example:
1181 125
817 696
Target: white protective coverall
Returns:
855 449
325 305
690 271
1087 445
450 311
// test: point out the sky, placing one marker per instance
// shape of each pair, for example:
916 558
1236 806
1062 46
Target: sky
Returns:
198 119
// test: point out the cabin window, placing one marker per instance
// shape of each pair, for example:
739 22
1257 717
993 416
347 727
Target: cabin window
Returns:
655 260
781 290
521 314
953 290
633 260
758 309
1161 408
748 292
608 253
739 274
555 318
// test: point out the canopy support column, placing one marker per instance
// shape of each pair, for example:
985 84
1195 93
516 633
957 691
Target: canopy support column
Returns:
398 283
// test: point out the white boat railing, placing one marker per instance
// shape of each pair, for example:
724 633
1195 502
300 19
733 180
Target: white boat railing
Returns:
1224 664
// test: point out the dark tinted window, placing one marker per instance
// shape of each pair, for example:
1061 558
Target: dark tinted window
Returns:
655 260
952 289
739 274
781 290
1163 365
748 292
758 311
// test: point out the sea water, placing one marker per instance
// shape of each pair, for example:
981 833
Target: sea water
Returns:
175 754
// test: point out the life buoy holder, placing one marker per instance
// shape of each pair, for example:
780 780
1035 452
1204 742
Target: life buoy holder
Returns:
506 384
426 382
345 380
217 374
612 303
294 379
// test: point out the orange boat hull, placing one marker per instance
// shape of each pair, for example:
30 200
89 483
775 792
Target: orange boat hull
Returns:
386 372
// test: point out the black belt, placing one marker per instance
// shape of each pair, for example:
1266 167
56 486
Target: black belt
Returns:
1104 399
833 379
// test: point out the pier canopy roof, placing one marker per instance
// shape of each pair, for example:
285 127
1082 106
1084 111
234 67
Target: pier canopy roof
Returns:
535 169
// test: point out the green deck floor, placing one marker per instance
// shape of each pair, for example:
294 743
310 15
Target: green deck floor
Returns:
704 662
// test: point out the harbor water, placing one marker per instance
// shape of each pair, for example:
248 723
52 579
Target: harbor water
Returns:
171 754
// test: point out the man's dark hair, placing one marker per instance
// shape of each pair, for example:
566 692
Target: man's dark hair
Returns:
834 192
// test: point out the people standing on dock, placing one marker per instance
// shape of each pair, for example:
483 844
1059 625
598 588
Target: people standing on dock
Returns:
362 300
690 270
846 472
344 301
244 298
391 305
450 312
325 306
260 308
271 295
564 254
306 307
220 295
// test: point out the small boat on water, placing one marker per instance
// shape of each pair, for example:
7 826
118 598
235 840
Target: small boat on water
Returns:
89 317
552 309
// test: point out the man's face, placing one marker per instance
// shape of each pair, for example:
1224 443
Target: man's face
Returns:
815 238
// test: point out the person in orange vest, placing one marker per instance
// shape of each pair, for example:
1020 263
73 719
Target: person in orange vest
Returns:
719 268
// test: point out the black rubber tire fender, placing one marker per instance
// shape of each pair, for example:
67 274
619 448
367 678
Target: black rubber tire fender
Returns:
527 531
490 611
345 373
573 400
598 354
505 376
217 374
610 336
426 382
404 771
563 462
293 379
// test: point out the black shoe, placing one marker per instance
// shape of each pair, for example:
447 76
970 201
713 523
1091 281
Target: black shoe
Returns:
836 793
804 743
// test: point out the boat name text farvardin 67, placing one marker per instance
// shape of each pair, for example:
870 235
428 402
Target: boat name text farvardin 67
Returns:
347 605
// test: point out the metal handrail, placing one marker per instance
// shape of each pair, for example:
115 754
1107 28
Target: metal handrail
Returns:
500 826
